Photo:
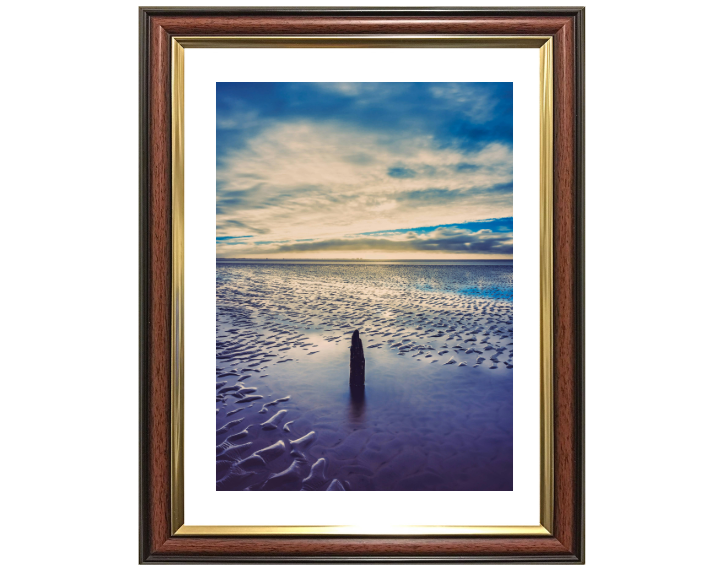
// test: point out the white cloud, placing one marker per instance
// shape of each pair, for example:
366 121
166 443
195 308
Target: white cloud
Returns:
323 180
476 105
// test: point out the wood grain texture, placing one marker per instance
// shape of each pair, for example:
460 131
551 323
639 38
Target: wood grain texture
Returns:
261 25
157 26
563 280
360 548
156 330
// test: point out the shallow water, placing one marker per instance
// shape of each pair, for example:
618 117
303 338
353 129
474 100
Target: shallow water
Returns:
436 413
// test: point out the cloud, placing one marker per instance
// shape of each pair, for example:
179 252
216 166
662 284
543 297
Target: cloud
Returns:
295 177
332 161
400 172
236 225
476 106
457 115
496 244
492 225
442 240
225 238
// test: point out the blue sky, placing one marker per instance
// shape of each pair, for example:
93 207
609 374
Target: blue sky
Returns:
387 170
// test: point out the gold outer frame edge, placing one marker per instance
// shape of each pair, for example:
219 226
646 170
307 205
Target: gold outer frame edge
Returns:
544 43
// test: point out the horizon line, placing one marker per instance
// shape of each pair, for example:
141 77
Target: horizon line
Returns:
366 259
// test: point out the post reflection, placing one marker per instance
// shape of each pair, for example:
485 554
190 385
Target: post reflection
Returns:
357 403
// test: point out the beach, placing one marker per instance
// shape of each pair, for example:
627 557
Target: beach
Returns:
436 409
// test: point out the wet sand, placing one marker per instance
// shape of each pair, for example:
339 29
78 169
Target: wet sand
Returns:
436 412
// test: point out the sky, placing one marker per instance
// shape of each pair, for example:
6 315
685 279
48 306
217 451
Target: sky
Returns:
364 170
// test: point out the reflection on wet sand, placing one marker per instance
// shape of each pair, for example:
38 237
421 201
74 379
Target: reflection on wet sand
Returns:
357 404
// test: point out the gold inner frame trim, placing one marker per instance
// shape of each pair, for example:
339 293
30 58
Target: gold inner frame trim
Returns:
362 530
547 499
177 361
545 45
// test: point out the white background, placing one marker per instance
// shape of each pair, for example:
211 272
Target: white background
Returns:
69 291
206 506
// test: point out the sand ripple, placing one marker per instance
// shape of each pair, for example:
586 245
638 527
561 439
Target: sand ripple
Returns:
426 422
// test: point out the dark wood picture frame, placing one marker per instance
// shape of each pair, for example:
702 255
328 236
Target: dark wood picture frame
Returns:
158 26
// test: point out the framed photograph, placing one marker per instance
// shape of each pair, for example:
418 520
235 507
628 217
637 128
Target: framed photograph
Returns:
367 225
